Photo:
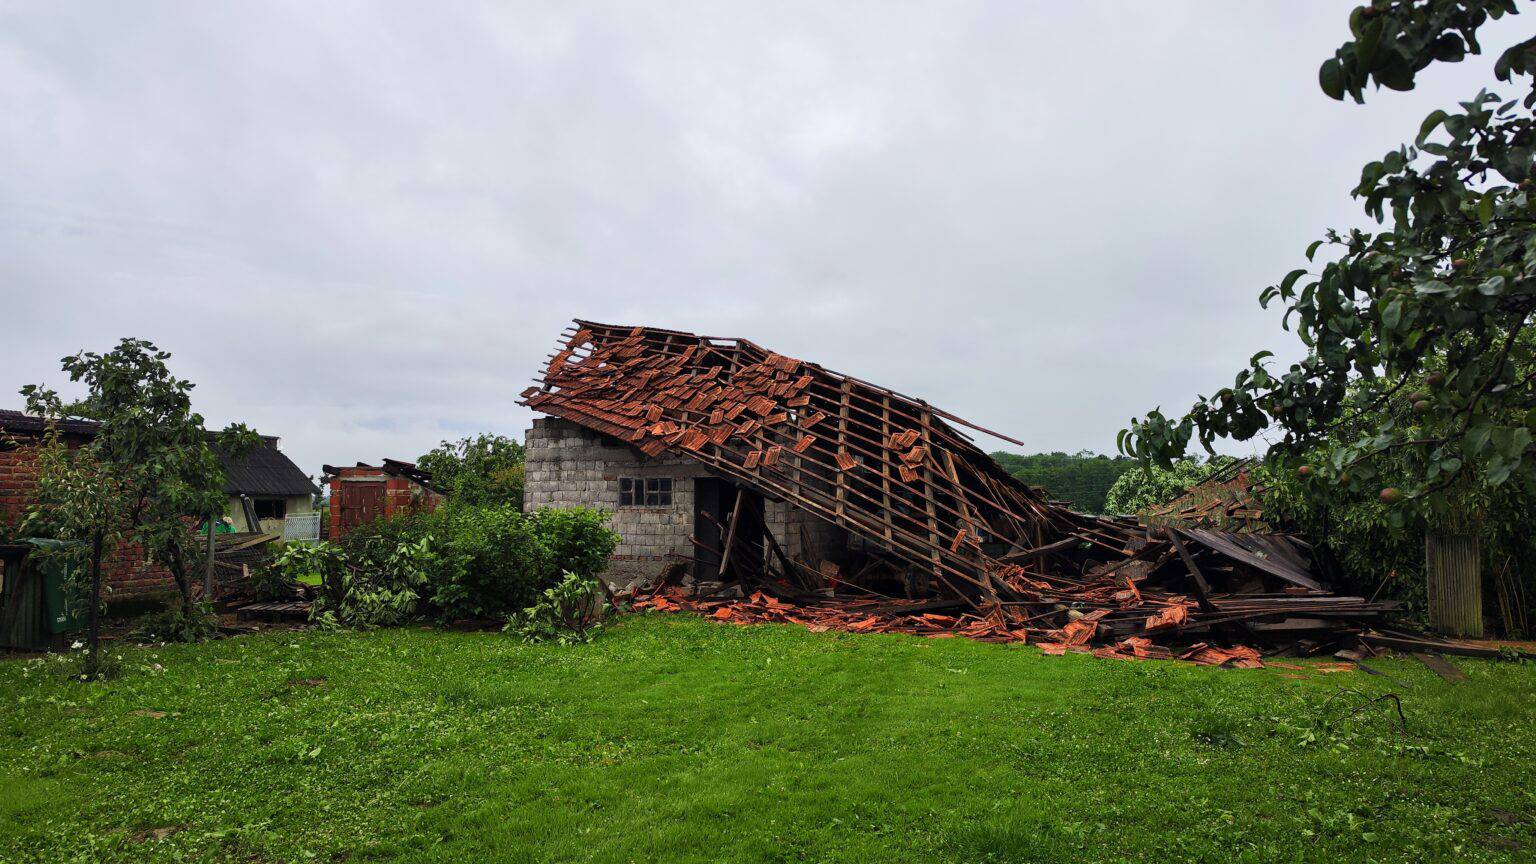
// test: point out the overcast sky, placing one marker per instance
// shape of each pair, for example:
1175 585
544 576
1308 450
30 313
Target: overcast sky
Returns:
360 226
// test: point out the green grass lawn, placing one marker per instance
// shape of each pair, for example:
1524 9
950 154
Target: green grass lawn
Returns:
678 739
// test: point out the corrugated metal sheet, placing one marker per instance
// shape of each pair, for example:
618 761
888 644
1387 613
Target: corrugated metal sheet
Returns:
265 471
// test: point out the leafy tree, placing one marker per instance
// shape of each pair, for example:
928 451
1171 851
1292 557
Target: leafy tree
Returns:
485 469
1081 479
1138 490
145 476
1419 357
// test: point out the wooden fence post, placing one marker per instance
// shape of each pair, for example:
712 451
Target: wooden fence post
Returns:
208 573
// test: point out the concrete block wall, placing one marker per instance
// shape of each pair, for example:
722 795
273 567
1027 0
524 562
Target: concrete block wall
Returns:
803 535
566 465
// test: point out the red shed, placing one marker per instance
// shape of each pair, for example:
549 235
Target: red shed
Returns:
363 493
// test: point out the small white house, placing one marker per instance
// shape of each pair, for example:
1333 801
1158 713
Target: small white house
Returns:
265 486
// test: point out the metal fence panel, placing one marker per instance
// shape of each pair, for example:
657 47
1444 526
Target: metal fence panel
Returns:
305 526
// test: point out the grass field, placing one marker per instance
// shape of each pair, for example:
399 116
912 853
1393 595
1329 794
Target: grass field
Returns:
678 739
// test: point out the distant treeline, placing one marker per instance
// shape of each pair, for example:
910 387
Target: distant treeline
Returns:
1081 478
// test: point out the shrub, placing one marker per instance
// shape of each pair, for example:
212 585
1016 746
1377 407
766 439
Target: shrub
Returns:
177 624
569 612
377 586
483 470
269 582
492 561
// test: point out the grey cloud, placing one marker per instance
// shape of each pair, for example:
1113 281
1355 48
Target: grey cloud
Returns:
360 225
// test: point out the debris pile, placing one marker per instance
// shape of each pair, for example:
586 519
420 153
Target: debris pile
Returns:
1192 595
1228 499
945 542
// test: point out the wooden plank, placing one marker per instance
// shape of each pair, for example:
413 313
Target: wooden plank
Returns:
1459 649
885 468
934 540
1440 666
1202 590
730 531
842 444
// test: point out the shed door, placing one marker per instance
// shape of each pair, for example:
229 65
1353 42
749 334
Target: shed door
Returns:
360 503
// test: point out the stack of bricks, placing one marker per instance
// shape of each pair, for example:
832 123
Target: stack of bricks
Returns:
125 571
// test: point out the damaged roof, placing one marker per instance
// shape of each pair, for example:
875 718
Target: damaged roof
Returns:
890 468
395 468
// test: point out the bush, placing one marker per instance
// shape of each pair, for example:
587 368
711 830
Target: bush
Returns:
175 624
270 583
378 586
492 561
569 612
479 471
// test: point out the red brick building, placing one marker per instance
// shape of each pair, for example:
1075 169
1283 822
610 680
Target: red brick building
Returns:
126 572
363 493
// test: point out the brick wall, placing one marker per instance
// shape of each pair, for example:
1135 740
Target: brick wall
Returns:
18 477
567 465
401 494
125 572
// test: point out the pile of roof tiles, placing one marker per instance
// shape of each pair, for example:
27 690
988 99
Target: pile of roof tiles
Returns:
908 617
1125 612
952 543
1227 499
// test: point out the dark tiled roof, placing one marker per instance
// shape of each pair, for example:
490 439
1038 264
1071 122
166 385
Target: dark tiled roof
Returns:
264 471
17 421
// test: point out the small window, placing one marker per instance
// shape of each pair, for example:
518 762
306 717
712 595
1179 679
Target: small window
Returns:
270 508
645 492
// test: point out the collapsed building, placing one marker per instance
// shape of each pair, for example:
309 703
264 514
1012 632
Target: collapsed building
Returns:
754 486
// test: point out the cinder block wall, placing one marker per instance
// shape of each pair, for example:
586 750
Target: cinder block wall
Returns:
567 465
804 536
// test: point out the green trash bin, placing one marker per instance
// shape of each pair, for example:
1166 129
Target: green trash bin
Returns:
56 565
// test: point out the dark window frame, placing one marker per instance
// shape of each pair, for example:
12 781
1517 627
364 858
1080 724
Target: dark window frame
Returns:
646 491
270 508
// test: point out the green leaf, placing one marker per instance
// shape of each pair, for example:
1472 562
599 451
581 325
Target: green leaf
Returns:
1448 48
1312 248
1498 470
1477 439
1393 314
1331 78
